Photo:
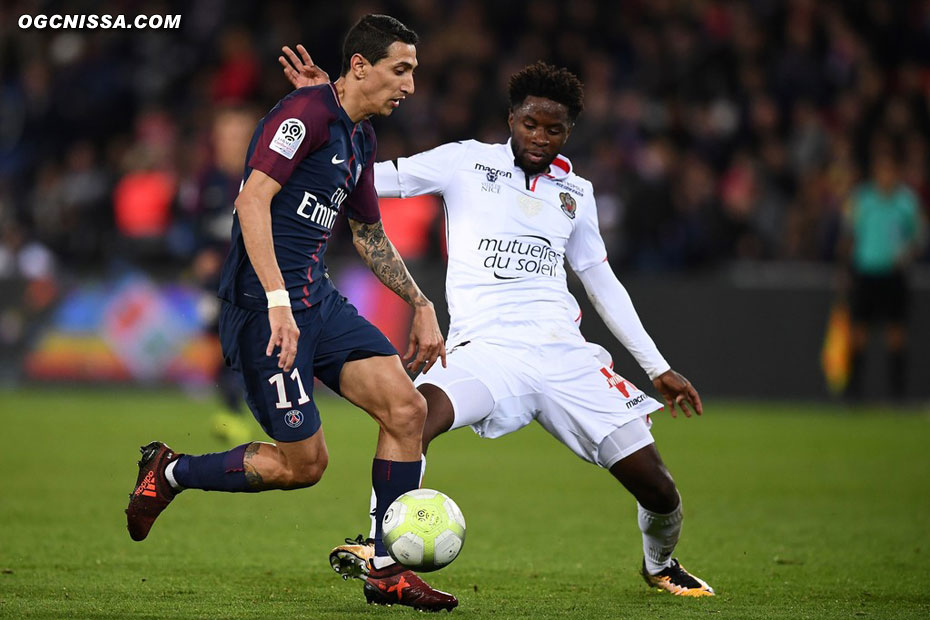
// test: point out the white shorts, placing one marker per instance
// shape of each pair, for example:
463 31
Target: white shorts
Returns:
569 388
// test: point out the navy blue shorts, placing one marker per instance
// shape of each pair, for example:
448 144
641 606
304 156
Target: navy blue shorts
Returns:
331 334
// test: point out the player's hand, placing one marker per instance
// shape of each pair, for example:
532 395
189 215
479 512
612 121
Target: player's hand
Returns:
301 71
425 340
284 334
678 391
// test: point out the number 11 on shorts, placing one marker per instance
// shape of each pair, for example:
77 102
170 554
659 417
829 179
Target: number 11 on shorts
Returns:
278 382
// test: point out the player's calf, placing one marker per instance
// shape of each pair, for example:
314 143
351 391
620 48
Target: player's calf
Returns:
285 466
302 475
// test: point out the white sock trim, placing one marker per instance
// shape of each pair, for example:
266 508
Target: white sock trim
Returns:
382 561
169 474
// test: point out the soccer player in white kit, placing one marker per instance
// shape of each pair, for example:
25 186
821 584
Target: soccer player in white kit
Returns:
514 213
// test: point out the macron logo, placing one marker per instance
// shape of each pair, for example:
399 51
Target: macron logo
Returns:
336 160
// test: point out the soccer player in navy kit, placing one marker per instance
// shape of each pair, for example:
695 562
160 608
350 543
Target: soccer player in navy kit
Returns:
310 158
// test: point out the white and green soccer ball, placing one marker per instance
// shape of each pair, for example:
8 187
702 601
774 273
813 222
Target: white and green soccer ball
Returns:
423 529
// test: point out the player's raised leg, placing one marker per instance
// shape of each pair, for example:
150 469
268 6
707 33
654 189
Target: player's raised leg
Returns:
283 405
248 468
645 476
396 469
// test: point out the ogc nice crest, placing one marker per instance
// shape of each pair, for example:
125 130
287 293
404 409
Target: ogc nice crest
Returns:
569 206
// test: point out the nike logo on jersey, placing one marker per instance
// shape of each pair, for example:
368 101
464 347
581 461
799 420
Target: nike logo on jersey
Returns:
336 160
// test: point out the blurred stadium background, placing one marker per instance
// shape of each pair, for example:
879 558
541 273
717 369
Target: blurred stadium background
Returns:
723 138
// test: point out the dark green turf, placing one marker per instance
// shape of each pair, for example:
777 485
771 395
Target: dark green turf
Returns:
791 512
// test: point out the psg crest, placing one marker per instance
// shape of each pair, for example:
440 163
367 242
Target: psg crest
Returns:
294 418
568 204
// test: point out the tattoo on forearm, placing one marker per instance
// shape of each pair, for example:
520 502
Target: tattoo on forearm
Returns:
251 473
382 257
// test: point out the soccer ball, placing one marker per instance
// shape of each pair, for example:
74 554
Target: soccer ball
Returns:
423 529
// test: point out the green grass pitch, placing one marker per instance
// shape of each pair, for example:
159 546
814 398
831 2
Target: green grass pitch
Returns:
790 512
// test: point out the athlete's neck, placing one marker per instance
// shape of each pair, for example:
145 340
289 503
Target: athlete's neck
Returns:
526 173
351 100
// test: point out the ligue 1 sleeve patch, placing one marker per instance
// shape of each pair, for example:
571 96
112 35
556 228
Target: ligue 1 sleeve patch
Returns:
288 137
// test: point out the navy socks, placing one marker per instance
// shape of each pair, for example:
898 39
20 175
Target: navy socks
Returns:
391 479
217 471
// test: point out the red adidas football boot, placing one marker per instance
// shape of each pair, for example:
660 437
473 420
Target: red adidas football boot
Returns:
396 585
152 493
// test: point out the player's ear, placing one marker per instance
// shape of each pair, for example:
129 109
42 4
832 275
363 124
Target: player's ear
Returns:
358 64
510 120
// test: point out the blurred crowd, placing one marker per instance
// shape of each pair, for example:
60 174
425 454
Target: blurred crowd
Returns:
713 130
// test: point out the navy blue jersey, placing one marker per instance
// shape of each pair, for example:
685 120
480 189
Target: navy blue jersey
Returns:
323 161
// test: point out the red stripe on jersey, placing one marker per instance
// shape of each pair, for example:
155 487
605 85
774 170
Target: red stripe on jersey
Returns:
351 159
561 163
349 176
315 259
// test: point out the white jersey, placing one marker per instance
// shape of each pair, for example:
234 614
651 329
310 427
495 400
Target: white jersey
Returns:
508 235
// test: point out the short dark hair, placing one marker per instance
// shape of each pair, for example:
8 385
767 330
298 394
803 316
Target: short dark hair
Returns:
544 80
371 37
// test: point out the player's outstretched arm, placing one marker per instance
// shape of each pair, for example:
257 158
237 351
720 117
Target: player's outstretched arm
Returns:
382 257
613 304
301 72
615 307
253 208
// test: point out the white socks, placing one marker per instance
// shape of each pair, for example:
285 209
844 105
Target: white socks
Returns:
660 535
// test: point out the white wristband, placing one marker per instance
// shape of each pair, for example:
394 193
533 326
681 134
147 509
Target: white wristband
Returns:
278 298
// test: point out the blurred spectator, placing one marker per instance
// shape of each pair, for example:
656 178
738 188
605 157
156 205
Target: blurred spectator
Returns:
143 197
884 227
237 77
714 131
206 210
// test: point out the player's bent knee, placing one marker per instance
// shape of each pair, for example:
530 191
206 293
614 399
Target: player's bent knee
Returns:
406 416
